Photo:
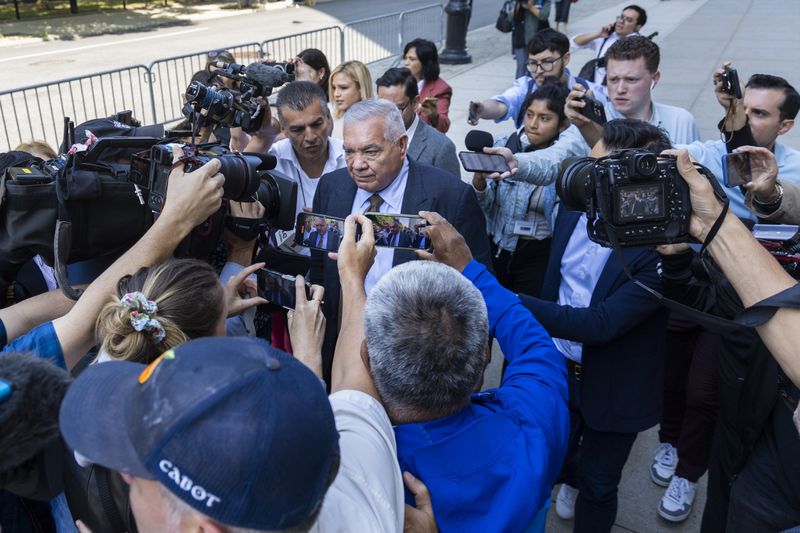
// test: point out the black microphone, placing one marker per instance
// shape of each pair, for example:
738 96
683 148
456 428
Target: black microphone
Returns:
477 140
265 75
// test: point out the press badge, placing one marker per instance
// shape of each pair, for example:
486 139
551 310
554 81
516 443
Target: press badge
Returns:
523 228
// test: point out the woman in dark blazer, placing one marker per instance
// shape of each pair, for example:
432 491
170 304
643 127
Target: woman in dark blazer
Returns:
422 59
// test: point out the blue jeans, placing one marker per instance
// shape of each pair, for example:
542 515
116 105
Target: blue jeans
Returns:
594 466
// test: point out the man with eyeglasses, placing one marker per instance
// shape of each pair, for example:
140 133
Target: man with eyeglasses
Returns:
548 56
629 22
632 74
425 143
380 177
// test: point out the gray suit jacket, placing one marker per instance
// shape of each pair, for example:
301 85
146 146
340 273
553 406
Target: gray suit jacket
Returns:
431 147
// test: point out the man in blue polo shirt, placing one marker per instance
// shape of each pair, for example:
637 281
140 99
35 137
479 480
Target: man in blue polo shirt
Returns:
489 459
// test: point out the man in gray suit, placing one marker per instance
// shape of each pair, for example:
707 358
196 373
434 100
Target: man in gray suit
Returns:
426 144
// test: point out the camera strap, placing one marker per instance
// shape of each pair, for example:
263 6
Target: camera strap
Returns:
753 316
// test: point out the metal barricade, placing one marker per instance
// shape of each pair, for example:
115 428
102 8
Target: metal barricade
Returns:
171 76
327 40
372 39
37 111
424 22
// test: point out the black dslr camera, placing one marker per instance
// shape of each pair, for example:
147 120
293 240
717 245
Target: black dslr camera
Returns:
247 178
238 107
635 197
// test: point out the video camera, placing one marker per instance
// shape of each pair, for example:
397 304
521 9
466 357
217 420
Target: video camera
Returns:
238 107
632 197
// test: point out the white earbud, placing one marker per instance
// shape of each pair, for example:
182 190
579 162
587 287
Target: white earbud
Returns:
652 85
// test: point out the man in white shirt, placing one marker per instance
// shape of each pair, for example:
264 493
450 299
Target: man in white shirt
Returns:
629 22
308 151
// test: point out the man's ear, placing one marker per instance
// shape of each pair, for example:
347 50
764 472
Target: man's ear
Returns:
566 58
365 356
656 78
786 125
403 143
207 525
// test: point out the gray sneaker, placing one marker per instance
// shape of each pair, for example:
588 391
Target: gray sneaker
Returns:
665 461
676 504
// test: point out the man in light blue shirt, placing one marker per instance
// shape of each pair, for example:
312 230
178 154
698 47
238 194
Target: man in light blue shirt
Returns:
632 65
766 111
548 56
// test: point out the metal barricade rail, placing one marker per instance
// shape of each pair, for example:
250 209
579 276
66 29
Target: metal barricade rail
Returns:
155 93
37 111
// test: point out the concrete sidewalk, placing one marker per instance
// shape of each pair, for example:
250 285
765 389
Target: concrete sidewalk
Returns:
695 37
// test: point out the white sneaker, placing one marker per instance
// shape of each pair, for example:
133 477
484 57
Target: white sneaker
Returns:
676 504
565 501
665 461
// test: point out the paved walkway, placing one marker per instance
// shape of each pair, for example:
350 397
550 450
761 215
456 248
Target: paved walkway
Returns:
695 36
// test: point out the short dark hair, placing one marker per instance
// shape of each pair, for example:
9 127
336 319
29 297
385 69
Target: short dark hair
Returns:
555 94
791 101
298 95
399 76
632 48
427 55
631 133
642 18
317 60
548 39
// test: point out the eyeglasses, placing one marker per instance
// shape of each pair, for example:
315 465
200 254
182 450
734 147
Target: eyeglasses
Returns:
625 19
546 64
403 107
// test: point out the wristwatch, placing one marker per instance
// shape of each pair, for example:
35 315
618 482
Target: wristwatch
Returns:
769 207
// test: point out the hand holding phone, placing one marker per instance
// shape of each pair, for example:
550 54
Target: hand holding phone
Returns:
318 232
594 110
280 289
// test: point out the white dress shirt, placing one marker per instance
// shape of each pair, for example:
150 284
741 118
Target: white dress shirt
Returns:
289 165
392 203
581 265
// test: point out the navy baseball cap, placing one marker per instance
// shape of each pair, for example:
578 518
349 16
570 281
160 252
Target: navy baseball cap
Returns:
238 430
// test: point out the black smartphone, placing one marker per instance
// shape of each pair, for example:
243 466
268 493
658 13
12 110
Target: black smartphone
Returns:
730 83
485 163
736 169
319 232
593 110
399 231
279 288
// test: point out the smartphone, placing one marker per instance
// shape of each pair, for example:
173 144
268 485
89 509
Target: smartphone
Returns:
730 83
471 115
430 99
736 169
593 110
486 163
401 232
319 232
279 288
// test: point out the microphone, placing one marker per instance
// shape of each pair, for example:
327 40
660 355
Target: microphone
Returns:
477 140
265 75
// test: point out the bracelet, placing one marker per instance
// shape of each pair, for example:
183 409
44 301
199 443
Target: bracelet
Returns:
773 205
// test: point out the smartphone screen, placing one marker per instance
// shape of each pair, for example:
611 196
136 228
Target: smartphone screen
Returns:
486 163
399 231
594 110
319 232
736 169
278 288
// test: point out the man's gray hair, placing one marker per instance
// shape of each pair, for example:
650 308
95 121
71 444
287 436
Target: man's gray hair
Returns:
378 108
297 96
426 330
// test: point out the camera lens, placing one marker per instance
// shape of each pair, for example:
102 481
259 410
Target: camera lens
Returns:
645 164
575 183
196 92
241 176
